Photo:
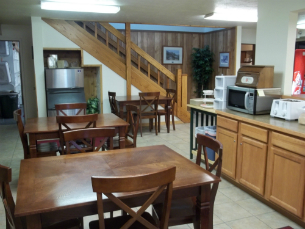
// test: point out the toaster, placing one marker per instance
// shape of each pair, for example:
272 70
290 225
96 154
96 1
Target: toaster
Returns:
288 109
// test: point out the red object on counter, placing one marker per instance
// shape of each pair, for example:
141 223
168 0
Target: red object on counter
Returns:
298 84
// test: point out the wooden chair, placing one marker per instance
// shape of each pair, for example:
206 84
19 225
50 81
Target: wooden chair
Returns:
170 93
9 206
184 211
70 106
135 220
43 149
112 102
83 121
149 102
89 133
133 115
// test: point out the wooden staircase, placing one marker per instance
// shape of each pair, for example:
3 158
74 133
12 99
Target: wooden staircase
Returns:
110 46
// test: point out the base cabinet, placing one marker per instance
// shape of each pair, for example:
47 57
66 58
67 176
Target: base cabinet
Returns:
286 180
229 142
252 160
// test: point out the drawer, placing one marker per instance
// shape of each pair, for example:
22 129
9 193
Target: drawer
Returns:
289 143
254 132
227 123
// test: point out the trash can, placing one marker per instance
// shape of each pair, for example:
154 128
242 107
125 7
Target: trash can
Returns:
209 131
8 103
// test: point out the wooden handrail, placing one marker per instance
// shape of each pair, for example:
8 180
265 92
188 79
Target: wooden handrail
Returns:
112 30
151 60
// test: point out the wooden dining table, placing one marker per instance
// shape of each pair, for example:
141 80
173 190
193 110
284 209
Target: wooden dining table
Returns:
47 128
59 188
122 101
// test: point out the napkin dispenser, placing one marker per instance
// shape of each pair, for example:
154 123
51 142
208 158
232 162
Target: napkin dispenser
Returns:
255 76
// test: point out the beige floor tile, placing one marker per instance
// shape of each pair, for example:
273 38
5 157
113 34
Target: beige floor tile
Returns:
222 226
224 184
222 199
254 206
276 220
248 223
185 226
216 220
235 193
230 211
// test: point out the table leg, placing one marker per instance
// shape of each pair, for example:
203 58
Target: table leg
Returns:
32 146
33 222
203 209
191 133
168 116
122 136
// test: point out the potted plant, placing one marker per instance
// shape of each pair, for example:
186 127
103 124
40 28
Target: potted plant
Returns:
202 63
93 106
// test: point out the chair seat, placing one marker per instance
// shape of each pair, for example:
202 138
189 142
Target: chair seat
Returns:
118 222
182 211
47 149
68 224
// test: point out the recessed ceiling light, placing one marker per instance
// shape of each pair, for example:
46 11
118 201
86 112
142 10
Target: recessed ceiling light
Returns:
79 7
230 16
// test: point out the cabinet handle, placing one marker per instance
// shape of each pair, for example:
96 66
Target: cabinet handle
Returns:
241 143
234 141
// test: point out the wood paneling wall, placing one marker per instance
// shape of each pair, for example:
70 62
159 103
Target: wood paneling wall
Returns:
219 41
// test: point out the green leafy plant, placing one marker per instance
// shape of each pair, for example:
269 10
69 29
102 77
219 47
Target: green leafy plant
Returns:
202 64
93 106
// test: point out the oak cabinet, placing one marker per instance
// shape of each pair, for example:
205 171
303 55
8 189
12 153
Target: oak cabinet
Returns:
286 180
252 160
229 142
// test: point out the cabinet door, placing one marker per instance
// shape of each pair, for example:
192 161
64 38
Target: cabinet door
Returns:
229 142
252 163
287 180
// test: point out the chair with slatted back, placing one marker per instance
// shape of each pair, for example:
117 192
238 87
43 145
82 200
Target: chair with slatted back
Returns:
112 102
133 115
9 207
89 133
149 102
170 93
43 149
61 109
184 211
135 220
67 123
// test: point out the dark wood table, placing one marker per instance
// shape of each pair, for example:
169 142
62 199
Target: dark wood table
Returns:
135 100
47 128
60 187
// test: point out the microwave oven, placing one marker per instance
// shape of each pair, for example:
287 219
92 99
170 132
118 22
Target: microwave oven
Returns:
251 100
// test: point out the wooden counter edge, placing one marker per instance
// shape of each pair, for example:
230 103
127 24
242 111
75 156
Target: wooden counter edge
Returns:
262 124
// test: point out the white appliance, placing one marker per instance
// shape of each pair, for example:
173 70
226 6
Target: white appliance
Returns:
220 91
4 49
288 109
5 75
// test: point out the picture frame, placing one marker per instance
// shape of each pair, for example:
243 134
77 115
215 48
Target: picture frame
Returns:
172 55
224 59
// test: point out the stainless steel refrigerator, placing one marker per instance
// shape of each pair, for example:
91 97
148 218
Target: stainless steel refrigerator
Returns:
64 86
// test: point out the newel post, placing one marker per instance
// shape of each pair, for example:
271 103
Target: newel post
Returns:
128 58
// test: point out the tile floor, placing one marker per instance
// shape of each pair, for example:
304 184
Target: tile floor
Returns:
233 207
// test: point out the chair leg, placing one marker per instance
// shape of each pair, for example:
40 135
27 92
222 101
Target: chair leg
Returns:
156 127
173 121
141 126
159 123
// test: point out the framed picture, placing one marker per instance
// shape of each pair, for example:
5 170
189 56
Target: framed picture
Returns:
224 59
172 55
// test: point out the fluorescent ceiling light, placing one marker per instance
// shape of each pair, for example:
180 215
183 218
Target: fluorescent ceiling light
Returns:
232 16
79 7
301 26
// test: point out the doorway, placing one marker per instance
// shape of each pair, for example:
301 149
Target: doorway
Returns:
247 56
11 97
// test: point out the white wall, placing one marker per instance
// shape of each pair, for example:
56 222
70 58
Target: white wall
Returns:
248 36
44 36
23 34
275 38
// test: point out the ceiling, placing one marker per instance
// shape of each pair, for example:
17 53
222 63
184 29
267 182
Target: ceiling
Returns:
166 12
